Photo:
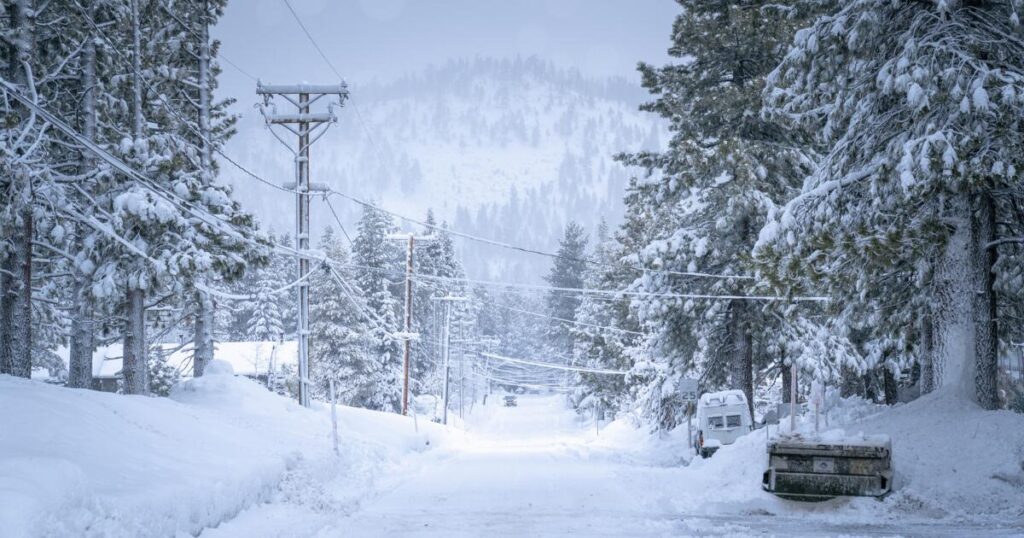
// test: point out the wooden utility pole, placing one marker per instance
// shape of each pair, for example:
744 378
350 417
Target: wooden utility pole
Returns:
304 124
408 335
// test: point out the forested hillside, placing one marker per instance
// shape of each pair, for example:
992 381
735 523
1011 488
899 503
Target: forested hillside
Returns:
488 144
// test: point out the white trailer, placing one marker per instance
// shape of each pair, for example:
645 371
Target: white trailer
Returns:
722 418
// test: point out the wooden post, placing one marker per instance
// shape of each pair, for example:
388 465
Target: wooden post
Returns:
792 398
334 418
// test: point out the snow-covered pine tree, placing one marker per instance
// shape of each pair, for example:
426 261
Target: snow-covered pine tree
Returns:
707 195
284 267
264 322
378 264
429 260
23 165
81 326
227 256
162 376
177 222
920 105
604 348
566 272
338 329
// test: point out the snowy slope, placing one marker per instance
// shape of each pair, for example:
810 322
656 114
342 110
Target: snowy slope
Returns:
86 463
506 149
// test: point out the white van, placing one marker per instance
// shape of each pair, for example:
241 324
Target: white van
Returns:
722 417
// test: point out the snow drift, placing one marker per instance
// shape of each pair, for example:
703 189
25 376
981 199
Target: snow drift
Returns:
951 460
85 463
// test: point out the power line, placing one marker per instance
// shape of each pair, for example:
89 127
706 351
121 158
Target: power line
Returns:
555 366
383 161
598 291
250 297
311 40
563 320
189 29
528 250
132 173
492 242
169 196
338 220
527 385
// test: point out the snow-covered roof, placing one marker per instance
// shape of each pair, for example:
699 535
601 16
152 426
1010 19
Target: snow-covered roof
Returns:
256 358
725 397
247 358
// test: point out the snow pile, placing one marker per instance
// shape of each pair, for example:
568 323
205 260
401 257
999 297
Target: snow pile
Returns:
951 459
87 463
635 444
954 459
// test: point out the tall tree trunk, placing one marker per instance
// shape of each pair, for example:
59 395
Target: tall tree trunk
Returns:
22 341
742 375
927 381
953 305
985 326
134 366
6 312
851 383
21 279
82 342
889 386
787 381
204 306
203 337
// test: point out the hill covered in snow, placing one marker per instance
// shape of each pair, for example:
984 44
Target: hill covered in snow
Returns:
505 149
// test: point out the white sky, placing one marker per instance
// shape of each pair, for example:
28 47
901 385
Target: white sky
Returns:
382 39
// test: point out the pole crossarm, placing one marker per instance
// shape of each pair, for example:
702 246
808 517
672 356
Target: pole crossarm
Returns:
340 89
313 117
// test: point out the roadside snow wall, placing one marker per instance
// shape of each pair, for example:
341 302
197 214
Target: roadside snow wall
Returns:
85 463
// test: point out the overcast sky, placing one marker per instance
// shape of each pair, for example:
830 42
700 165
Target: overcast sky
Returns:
382 39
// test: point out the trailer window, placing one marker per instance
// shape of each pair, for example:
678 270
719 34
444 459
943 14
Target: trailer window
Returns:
716 423
733 421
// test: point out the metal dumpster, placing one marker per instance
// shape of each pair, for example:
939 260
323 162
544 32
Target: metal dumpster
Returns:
812 469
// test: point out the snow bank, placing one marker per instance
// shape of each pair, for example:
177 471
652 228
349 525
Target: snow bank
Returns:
86 463
951 459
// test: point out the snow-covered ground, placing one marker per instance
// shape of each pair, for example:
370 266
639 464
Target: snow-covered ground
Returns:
538 470
87 463
225 458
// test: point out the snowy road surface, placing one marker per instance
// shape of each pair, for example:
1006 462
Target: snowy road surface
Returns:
536 470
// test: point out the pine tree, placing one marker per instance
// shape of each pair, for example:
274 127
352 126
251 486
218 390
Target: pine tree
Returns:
606 333
285 270
338 330
265 320
162 376
918 104
378 269
566 272
707 195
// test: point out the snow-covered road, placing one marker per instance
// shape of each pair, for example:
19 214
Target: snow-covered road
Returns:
537 470
523 471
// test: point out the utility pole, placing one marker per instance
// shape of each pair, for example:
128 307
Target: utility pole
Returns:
462 368
303 124
446 348
463 343
408 336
